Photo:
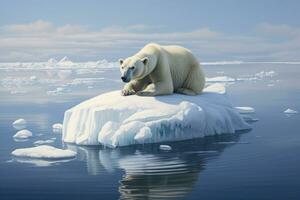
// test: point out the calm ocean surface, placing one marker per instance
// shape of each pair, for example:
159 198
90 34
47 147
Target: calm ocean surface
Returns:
263 163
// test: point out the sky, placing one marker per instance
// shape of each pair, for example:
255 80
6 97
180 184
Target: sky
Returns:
90 30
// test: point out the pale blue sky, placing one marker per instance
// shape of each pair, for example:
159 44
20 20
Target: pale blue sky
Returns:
34 30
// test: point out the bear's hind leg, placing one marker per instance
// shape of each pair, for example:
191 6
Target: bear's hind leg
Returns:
195 81
186 91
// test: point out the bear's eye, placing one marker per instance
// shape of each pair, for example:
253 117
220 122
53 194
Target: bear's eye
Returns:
132 67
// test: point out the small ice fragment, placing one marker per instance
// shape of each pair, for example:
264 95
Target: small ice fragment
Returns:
33 78
290 111
243 110
23 134
19 124
220 79
144 134
57 128
44 152
165 147
40 142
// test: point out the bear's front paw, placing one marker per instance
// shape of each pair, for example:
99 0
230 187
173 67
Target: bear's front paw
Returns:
126 92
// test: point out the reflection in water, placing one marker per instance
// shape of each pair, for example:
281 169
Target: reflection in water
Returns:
154 174
40 162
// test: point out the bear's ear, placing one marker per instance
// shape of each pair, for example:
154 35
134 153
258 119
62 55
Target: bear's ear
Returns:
145 60
121 61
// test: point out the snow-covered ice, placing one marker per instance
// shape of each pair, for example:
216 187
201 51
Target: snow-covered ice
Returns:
114 120
244 109
23 134
290 111
165 147
44 152
19 123
57 128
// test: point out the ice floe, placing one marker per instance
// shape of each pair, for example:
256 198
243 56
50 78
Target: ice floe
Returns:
290 111
40 142
19 124
114 120
165 147
244 109
44 152
23 134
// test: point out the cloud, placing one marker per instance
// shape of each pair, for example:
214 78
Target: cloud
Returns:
278 30
35 27
40 40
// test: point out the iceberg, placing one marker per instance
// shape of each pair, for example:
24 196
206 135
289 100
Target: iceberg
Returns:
113 120
290 111
43 152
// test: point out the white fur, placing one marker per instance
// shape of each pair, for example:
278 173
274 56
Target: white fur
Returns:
161 70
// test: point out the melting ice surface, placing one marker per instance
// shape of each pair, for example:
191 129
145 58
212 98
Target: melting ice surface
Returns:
114 120
44 152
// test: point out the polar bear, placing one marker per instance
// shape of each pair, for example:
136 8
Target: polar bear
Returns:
162 70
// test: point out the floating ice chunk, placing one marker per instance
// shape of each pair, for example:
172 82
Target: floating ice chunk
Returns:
165 147
57 128
290 111
19 124
245 110
33 78
215 88
114 120
44 152
264 74
40 162
220 79
23 134
40 142
143 134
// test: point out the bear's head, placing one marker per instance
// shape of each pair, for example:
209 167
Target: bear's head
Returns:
133 68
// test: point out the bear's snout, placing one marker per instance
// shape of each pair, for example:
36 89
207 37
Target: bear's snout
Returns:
124 79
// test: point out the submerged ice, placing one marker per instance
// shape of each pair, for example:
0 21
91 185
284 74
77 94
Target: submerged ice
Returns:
114 120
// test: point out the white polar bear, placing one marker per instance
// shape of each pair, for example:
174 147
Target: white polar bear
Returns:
161 70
